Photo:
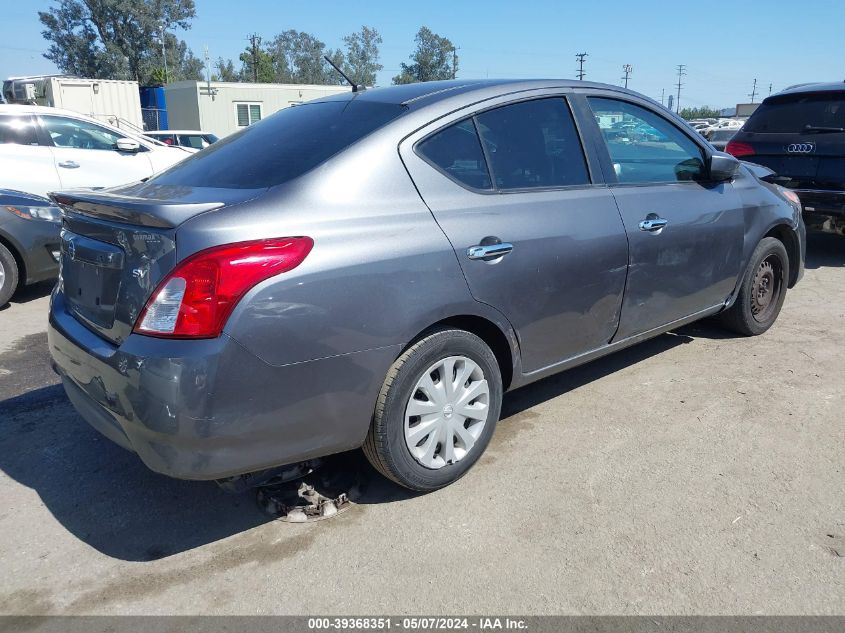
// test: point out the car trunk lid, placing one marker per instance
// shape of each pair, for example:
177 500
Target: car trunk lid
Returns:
117 245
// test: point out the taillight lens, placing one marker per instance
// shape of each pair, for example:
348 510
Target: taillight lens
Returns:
739 149
196 299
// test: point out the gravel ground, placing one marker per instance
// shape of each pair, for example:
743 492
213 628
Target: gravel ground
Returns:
695 473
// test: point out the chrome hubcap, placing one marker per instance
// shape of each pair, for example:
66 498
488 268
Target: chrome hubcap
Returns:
447 412
2 276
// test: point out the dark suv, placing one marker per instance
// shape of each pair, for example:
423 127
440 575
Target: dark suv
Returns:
800 135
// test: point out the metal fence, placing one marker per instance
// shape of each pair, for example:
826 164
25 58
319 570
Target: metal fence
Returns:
153 118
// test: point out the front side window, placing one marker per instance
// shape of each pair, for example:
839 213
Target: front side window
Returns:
18 130
456 151
247 113
533 144
79 134
643 146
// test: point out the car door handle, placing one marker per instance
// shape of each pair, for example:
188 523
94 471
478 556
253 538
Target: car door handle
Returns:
653 224
489 251
69 164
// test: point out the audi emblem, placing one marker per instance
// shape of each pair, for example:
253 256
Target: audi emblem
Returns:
71 250
801 148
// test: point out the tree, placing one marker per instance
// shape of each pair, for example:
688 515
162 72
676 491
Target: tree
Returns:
704 112
362 56
120 39
225 71
435 58
298 59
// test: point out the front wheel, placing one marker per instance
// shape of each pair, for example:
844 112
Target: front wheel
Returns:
8 275
762 291
436 411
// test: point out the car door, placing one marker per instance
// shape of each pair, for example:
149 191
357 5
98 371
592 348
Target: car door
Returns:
685 233
85 154
26 163
510 186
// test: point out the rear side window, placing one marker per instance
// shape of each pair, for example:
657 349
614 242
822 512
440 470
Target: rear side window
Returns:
281 147
533 144
799 113
644 147
18 130
456 151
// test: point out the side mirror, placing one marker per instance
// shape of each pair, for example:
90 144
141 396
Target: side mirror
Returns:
127 145
723 167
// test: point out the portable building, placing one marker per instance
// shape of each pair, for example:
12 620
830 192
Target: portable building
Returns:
223 107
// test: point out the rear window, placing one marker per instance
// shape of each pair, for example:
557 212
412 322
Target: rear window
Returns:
281 147
795 113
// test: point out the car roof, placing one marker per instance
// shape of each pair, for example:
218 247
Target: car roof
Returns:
430 92
837 86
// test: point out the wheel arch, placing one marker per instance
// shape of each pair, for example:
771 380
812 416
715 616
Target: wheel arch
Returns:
786 235
502 346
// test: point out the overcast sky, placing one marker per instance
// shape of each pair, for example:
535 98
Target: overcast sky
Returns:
724 48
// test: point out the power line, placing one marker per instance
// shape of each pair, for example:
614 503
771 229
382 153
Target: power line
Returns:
753 93
580 58
681 73
627 69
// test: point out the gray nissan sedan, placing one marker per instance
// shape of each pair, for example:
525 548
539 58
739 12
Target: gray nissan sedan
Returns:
375 269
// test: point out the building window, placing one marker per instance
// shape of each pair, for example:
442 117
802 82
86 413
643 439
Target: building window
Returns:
247 113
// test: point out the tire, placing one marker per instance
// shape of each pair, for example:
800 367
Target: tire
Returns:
453 442
762 291
8 275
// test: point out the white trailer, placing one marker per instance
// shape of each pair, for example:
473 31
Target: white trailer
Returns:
115 102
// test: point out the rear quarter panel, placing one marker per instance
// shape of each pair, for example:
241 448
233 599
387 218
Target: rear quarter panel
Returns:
381 269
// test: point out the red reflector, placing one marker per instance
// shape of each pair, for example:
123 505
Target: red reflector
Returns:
739 149
207 286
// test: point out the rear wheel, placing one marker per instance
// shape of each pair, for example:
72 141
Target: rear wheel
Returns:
762 292
436 411
8 275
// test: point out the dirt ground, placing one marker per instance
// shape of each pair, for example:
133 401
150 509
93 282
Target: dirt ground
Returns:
695 473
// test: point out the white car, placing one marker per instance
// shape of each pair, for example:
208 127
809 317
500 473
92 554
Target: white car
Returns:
44 149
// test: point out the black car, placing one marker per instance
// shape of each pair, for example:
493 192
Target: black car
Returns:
29 241
800 135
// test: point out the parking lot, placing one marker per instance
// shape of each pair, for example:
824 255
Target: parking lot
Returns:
695 473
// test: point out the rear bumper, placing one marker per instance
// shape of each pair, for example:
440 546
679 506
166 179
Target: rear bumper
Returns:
823 210
209 409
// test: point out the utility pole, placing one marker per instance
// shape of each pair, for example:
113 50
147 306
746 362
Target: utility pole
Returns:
254 43
662 95
681 73
753 93
163 53
627 69
454 63
770 89
580 58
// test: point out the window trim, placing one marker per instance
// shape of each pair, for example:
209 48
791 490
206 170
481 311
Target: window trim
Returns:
611 178
260 105
564 96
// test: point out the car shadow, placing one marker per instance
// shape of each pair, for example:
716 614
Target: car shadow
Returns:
106 497
30 293
825 250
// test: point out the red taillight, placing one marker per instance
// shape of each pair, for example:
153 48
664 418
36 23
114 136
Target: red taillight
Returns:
739 149
195 299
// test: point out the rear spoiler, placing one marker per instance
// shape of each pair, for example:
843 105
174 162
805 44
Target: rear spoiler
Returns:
129 209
